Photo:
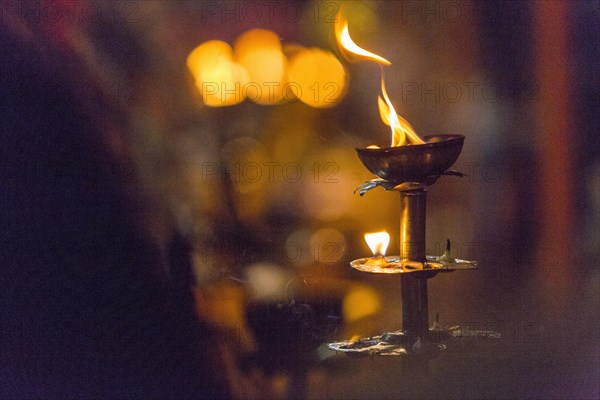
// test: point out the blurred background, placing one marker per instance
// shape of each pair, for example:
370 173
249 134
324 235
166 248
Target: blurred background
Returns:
260 190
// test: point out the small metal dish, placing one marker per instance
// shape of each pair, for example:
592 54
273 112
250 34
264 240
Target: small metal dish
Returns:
413 163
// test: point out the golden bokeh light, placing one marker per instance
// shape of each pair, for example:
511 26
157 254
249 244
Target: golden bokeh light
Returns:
292 49
259 68
259 52
218 78
317 78
360 302
266 281
207 54
328 245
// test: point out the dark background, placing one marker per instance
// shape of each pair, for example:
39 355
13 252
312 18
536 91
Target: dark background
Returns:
127 168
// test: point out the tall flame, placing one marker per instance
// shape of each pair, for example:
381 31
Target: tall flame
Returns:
345 41
402 132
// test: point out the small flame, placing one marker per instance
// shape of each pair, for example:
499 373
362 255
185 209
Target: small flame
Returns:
378 242
402 132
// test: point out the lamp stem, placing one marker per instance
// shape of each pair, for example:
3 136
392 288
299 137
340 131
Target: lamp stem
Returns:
415 314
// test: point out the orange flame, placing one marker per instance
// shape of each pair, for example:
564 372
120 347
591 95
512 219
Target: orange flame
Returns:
345 41
378 242
402 132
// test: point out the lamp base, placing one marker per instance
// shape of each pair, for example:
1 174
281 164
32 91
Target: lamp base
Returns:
398 343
